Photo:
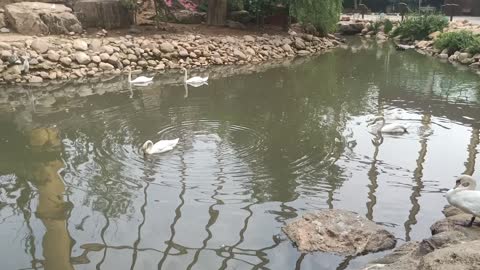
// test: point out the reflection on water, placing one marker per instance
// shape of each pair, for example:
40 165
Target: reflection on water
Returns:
256 150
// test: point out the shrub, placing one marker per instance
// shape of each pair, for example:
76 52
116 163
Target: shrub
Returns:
323 14
458 41
418 27
388 26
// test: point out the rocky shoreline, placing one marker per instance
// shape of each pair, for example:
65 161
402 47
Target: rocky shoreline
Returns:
451 246
73 57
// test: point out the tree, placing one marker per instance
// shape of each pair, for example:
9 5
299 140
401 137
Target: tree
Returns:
323 14
217 12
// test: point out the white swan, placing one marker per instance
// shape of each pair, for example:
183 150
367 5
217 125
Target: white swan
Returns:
465 197
381 126
194 80
141 80
159 147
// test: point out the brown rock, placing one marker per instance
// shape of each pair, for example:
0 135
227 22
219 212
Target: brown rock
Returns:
338 231
460 256
105 66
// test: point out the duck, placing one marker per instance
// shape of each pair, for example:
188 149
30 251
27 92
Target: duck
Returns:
382 127
162 146
465 197
141 80
194 80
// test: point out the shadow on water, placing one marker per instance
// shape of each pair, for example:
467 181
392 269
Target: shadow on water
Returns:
258 147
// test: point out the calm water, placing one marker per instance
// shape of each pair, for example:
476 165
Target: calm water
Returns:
256 150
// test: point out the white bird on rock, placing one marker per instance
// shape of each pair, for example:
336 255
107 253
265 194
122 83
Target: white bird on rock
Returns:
159 147
382 127
465 197
194 80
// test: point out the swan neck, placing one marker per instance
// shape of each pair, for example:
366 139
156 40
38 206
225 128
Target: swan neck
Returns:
186 75
129 76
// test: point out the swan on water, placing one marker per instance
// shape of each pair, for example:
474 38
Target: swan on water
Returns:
464 197
379 125
141 80
194 80
159 147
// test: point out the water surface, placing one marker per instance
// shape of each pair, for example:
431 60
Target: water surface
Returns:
256 150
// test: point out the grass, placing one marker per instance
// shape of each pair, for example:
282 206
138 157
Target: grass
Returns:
464 41
418 27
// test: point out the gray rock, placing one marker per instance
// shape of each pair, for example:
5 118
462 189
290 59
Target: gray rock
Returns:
66 61
5 46
40 46
80 45
104 56
183 53
299 44
95 45
241 16
287 48
167 47
249 38
107 49
35 18
235 25
4 30
239 54
53 56
35 79
96 59
82 58
443 56
460 256
105 66
338 231
189 17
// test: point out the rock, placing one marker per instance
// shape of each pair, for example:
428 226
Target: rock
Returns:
167 47
423 44
241 16
350 28
2 20
287 48
35 79
40 46
103 14
13 70
465 58
152 63
53 56
5 46
82 58
218 61
303 52
96 59
402 258
237 53
107 49
248 38
80 45
443 56
189 17
183 53
338 231
142 63
38 136
434 35
66 61
299 44
235 25
105 66
35 18
104 56
4 30
6 55
460 256
193 55
95 45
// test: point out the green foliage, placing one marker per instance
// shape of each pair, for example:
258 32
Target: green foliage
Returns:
418 27
458 41
323 14
388 26
129 4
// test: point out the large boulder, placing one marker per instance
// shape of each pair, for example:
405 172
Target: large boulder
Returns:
35 18
460 256
106 14
350 28
338 231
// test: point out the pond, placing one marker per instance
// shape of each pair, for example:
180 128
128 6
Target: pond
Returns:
257 149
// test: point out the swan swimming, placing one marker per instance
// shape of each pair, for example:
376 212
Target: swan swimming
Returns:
465 197
194 80
381 126
141 80
159 147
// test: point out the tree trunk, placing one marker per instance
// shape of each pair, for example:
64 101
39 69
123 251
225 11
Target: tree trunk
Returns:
355 4
217 12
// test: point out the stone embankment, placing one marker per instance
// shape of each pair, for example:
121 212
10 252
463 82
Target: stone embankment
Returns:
63 57
452 246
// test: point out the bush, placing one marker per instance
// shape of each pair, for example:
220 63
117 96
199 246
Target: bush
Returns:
418 27
458 41
323 14
388 26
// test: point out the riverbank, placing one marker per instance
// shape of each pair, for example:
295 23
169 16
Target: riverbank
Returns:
73 57
451 246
